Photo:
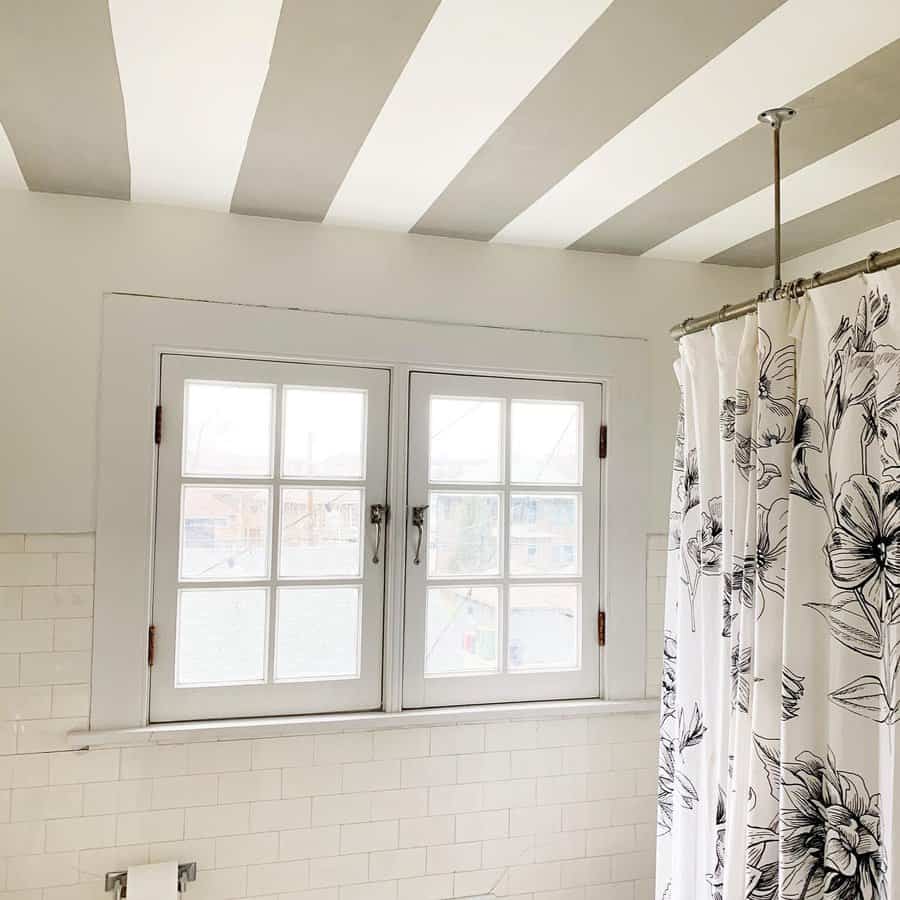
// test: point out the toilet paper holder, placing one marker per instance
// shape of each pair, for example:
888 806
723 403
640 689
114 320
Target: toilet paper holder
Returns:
118 881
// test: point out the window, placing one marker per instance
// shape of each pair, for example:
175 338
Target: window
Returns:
294 445
268 598
502 584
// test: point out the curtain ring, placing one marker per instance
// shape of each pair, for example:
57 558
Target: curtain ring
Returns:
871 259
722 313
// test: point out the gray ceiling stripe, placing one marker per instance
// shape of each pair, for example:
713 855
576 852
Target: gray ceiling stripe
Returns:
875 206
332 67
633 55
844 109
60 97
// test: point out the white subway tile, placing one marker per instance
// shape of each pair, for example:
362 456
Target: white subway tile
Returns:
510 736
562 732
366 837
404 743
605 785
531 763
34 804
57 602
117 797
24 703
201 851
508 852
84 833
389 864
428 887
94 864
55 668
427 830
606 841
26 636
59 543
75 568
26 569
10 603
146 827
452 740
381 775
219 756
482 826
579 816
9 669
45 735
70 701
343 748
217 821
454 798
247 849
72 634
535 820
81 766
282 753
587 871
633 810
536 877
25 771
277 877
483 767
341 809
277 815
310 843
403 804
236 787
453 858
174 791
509 794
561 789
429 771
20 838
339 870
478 884
382 890
629 866
311 781
42 870
635 755
566 845
12 543
154 762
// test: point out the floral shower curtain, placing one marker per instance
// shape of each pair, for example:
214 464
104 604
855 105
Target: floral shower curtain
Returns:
781 682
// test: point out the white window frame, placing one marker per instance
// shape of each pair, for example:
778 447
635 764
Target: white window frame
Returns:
503 686
137 330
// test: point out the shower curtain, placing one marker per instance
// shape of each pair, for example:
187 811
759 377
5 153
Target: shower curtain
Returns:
781 682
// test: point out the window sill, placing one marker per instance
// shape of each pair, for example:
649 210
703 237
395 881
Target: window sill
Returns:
282 726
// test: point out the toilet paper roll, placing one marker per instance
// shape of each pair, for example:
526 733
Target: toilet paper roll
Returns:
158 881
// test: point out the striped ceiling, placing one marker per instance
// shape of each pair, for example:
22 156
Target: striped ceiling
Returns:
621 126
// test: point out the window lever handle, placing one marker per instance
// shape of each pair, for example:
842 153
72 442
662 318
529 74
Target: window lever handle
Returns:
418 521
377 516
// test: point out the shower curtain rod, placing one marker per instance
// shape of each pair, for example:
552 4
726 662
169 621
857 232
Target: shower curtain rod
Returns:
874 262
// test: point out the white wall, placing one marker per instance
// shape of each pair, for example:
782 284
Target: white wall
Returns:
60 254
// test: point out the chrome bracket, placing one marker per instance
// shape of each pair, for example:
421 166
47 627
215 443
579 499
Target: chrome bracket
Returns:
118 881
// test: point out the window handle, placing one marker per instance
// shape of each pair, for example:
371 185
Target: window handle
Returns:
418 520
377 516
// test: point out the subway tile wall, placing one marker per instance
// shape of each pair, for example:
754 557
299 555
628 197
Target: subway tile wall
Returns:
536 810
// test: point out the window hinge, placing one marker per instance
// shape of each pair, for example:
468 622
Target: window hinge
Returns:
151 645
601 628
157 426
602 447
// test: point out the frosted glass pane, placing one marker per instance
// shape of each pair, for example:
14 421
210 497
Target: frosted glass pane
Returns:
324 433
546 442
543 626
320 532
466 439
463 534
461 630
227 429
318 633
224 533
222 636
543 534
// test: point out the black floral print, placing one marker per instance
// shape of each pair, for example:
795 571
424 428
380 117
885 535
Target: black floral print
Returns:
791 694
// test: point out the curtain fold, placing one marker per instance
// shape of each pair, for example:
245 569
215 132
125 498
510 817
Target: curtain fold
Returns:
781 678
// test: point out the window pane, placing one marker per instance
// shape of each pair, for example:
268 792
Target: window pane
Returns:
461 630
466 439
227 429
320 532
222 636
318 633
464 534
543 626
543 534
224 533
546 442
324 433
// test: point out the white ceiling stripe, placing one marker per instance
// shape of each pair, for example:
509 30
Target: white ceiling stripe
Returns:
472 67
853 168
800 45
191 72
10 174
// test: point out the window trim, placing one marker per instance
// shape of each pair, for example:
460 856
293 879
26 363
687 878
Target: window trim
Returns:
138 329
